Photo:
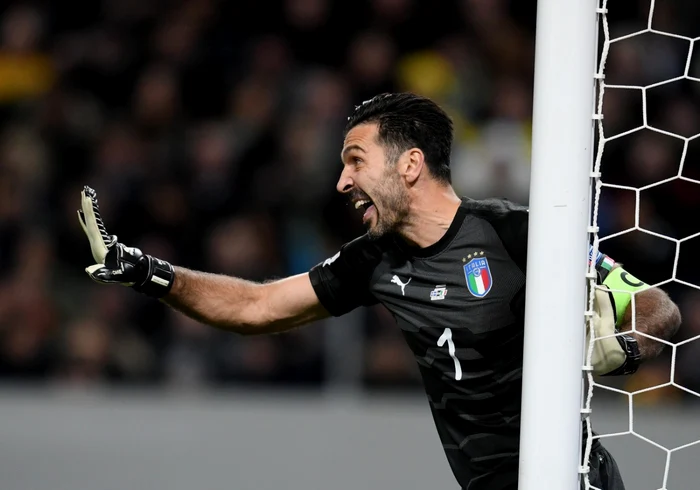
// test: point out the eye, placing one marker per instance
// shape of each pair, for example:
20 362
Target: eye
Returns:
356 160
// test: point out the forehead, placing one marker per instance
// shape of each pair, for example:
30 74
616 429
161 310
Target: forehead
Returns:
363 135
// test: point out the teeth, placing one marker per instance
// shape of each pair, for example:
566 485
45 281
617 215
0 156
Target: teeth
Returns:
358 204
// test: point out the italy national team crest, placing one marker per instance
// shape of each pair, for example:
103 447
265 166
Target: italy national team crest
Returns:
478 276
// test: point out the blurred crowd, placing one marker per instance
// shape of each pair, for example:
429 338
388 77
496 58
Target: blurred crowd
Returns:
211 131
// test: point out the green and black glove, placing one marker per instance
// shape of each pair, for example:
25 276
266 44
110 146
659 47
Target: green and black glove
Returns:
613 354
117 263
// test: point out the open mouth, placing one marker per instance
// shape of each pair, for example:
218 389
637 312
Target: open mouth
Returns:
363 203
367 206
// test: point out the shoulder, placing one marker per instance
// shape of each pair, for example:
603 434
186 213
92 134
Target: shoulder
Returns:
341 282
364 249
356 257
495 208
508 219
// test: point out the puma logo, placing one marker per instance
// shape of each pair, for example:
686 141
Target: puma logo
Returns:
402 285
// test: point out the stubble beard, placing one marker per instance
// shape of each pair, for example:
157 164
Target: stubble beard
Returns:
392 205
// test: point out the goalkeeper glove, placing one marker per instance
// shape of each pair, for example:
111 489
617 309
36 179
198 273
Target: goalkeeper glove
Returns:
612 356
117 263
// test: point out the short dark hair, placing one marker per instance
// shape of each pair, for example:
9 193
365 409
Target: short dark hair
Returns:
406 120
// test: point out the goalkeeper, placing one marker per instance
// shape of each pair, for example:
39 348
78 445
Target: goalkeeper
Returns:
451 270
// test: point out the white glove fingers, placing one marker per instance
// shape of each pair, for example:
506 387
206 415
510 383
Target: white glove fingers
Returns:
94 228
81 219
607 354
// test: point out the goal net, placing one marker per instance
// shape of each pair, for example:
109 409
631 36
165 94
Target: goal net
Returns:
644 213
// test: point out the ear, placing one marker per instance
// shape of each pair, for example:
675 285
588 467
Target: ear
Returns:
411 164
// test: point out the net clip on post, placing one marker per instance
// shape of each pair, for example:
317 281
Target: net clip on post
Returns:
586 412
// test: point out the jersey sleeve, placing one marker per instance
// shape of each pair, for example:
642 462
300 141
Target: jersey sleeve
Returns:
342 281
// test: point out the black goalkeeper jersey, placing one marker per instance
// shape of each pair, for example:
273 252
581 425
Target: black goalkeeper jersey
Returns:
460 305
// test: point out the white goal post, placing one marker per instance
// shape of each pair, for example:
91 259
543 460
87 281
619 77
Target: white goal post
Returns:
562 140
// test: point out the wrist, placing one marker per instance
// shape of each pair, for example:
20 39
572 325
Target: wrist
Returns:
159 277
633 357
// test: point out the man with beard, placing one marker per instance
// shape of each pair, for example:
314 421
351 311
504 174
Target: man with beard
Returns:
451 270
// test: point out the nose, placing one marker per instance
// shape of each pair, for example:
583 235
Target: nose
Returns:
345 181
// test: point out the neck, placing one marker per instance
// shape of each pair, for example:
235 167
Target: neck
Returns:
430 215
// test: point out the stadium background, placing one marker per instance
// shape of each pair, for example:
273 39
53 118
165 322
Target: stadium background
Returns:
211 130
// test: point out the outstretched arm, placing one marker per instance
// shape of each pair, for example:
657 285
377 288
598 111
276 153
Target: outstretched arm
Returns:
242 306
224 302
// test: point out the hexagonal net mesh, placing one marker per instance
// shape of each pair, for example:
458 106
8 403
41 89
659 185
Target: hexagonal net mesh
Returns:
640 43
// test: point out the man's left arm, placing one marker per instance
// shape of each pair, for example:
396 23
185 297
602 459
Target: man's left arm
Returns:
656 315
626 305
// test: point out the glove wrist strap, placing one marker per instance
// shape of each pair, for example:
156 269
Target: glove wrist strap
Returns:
159 280
633 357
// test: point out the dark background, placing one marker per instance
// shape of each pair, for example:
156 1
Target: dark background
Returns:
212 129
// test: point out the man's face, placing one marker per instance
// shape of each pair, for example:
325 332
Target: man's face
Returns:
372 183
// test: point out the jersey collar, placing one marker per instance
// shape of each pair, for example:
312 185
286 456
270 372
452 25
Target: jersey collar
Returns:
443 242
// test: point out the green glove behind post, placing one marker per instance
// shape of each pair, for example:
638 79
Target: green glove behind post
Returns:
611 356
117 263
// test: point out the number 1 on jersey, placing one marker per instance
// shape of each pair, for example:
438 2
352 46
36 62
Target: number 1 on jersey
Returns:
447 337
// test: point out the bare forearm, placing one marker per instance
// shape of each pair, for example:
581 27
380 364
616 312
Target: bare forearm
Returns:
245 307
655 315
221 301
